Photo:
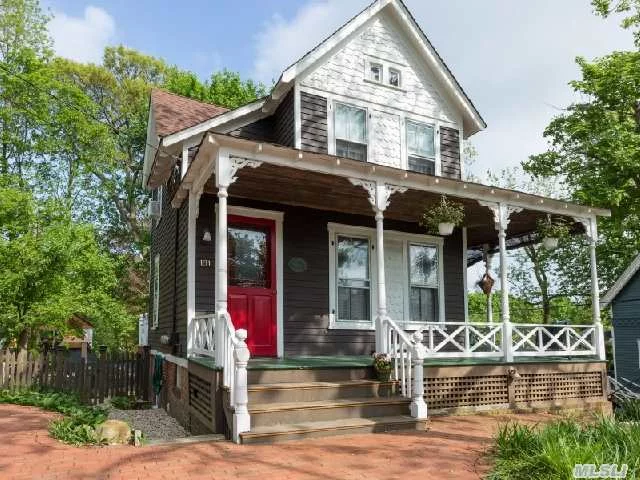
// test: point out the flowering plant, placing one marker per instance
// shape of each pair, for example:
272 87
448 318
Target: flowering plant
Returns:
382 362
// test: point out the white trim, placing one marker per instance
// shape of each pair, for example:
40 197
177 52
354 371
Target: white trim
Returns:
335 229
621 282
181 362
321 163
192 233
278 217
297 118
464 274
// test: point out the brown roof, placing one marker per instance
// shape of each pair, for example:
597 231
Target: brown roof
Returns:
173 113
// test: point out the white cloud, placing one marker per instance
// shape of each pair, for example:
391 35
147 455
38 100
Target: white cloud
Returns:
514 59
281 42
83 38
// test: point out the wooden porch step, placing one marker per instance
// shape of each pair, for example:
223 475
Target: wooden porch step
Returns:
317 391
268 414
257 376
302 430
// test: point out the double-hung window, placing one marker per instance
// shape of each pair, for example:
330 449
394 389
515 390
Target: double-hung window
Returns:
351 132
156 290
421 150
353 275
423 282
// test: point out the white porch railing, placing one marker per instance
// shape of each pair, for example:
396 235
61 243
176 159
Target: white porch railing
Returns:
214 336
553 340
466 340
408 354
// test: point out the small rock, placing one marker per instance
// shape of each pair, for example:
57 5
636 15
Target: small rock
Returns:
113 432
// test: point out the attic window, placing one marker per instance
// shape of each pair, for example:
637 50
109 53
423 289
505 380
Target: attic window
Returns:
394 77
375 72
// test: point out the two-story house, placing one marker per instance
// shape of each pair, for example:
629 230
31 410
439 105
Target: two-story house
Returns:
288 230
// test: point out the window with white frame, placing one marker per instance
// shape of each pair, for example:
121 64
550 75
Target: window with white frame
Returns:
424 282
353 279
350 128
421 149
394 77
375 72
156 290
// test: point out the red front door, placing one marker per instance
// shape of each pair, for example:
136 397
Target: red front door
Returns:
252 281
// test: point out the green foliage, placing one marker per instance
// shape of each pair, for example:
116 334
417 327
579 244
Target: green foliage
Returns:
549 229
445 212
630 8
628 411
51 268
123 403
549 452
77 427
595 147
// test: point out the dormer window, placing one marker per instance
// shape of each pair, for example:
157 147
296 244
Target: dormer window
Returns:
351 132
375 72
394 77
421 149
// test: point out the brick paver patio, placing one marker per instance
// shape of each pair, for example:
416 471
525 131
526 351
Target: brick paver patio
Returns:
452 448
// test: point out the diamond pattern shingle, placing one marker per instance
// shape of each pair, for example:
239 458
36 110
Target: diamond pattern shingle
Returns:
173 112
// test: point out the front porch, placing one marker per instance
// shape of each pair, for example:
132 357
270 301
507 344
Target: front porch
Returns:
313 203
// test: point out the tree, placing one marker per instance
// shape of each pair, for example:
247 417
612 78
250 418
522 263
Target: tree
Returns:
595 148
51 268
631 8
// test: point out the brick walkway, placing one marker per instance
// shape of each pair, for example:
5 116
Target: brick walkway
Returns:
452 448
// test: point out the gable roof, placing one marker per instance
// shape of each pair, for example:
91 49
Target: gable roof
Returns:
173 113
622 281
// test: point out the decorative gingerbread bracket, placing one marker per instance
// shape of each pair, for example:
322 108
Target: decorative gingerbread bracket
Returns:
379 193
501 213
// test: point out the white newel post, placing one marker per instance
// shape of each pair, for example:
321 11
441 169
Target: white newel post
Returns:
379 195
241 418
418 405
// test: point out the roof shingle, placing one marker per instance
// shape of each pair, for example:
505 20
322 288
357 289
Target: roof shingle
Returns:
173 113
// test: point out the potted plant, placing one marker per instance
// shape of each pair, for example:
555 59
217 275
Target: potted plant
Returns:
444 217
382 366
551 233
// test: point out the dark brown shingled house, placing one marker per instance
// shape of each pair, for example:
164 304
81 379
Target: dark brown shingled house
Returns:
287 247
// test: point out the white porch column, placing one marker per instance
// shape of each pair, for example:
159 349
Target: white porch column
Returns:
379 195
591 230
501 213
194 200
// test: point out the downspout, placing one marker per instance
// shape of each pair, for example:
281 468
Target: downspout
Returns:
174 343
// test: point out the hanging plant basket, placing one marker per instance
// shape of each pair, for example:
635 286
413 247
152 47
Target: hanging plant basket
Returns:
443 217
486 284
552 232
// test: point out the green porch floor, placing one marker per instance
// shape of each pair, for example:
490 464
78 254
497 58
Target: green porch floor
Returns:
344 361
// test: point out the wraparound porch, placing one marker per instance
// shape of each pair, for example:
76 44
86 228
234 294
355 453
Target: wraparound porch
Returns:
241 169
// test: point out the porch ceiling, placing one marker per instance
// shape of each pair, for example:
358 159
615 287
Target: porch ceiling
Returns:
277 184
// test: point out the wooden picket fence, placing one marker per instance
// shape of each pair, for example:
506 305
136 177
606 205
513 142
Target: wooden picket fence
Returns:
101 376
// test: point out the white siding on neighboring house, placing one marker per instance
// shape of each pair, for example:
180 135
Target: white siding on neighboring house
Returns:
344 76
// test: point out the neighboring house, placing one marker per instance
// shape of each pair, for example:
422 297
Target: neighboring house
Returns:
624 299
293 221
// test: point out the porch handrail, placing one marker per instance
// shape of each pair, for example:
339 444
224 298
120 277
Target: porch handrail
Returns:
408 355
202 329
463 339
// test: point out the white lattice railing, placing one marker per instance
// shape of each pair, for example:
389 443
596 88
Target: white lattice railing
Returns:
463 340
202 328
553 340
214 336
407 353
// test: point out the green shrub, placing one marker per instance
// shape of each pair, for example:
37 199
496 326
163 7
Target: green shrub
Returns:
550 451
123 403
77 427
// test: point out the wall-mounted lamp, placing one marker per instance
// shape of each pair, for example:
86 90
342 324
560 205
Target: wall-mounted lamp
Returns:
206 236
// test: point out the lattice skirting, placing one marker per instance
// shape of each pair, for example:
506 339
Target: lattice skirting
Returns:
534 385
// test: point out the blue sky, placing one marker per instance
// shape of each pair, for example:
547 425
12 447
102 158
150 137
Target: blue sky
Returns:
513 57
